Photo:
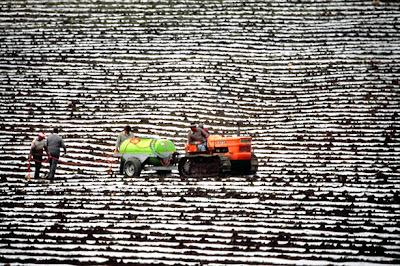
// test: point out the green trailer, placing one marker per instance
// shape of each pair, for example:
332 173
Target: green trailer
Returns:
150 153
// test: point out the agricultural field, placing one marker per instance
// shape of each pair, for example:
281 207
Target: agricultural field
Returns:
314 82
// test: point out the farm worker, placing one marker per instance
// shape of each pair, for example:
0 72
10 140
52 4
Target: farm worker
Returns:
201 125
124 135
36 152
53 144
198 136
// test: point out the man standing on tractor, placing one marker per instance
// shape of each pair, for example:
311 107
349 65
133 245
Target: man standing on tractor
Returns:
124 135
36 152
201 125
198 136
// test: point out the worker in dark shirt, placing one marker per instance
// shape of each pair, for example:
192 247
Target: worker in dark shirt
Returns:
53 145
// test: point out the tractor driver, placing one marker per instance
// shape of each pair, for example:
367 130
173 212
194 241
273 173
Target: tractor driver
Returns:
198 136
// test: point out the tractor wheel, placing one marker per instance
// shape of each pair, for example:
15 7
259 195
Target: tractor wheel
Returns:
225 167
184 167
132 167
253 165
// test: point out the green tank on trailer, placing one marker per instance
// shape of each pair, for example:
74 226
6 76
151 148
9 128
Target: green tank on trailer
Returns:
136 153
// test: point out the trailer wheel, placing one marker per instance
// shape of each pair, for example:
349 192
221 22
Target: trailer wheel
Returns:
132 167
184 167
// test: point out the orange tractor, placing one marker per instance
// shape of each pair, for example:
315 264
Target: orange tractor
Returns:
223 155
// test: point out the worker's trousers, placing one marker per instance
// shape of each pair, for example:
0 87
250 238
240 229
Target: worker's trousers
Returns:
38 164
53 165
